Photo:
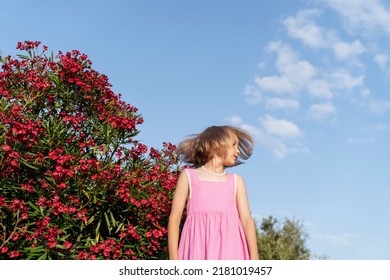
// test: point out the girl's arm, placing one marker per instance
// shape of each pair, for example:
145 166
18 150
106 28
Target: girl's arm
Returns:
246 218
178 204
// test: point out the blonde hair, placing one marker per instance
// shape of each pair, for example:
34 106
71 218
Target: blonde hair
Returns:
214 141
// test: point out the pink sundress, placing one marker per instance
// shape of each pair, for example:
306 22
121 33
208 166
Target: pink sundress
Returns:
212 230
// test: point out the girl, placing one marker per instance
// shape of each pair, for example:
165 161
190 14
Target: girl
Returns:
219 224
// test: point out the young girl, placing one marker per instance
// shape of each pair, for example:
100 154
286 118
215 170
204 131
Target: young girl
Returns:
219 225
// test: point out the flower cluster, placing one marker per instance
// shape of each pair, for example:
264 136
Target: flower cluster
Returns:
74 184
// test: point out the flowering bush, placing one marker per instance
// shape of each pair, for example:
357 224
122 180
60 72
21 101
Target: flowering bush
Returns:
74 184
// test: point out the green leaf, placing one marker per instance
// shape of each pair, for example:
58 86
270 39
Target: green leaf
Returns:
90 220
35 249
113 221
107 222
86 194
28 165
43 257
23 56
120 227
64 238
97 232
33 206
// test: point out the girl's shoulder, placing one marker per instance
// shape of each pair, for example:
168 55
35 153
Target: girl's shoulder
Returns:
188 170
239 177
236 175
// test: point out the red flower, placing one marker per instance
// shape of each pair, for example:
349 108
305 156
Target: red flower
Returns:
61 185
2 201
28 45
14 254
6 148
68 245
51 244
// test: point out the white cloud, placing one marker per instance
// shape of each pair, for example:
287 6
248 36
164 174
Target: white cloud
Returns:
337 239
254 131
279 84
252 94
310 81
343 79
376 106
345 50
321 112
290 65
382 127
382 59
282 103
294 72
277 136
280 128
235 120
320 88
297 75
361 140
363 15
303 27
281 147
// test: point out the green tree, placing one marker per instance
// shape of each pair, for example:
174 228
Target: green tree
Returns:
282 243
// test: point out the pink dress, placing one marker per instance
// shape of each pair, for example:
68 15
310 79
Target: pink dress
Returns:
212 230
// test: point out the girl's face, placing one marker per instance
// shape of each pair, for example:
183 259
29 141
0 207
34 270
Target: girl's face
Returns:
233 152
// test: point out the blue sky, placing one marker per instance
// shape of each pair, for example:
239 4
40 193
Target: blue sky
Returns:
309 80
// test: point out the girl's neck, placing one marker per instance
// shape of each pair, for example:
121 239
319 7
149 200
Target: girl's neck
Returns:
214 167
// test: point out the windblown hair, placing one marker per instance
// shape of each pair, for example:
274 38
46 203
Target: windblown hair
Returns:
214 141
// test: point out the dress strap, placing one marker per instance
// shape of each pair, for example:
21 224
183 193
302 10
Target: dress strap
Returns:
189 182
235 185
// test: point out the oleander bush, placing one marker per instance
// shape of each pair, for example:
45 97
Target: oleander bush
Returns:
74 181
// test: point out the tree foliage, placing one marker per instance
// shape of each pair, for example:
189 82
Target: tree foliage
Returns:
74 182
282 243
